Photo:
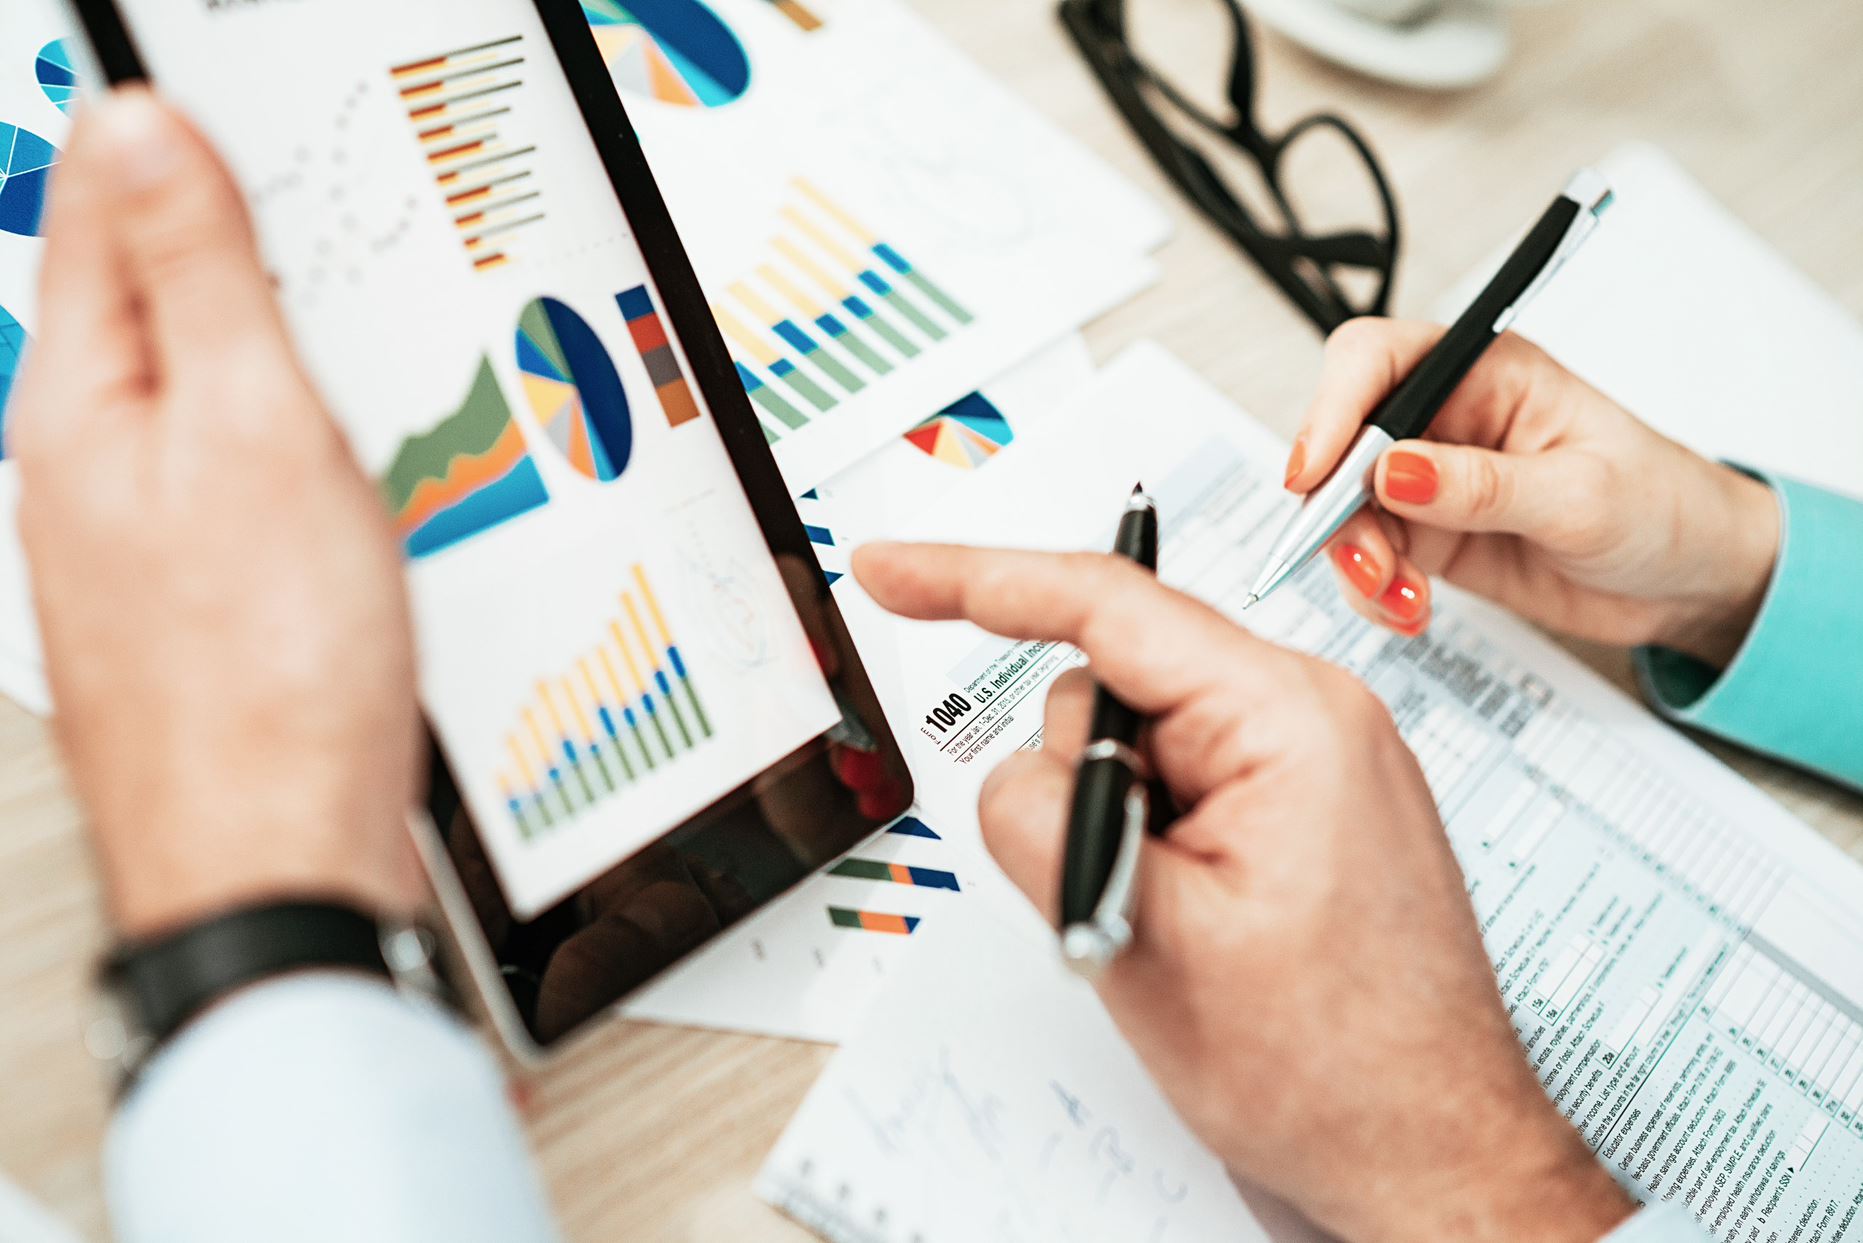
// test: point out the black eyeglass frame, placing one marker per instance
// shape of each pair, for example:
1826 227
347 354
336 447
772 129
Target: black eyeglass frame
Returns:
1300 263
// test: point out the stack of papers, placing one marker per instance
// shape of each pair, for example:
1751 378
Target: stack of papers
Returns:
1682 958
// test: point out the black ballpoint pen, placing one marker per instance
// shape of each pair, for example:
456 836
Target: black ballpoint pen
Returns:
1409 408
1112 801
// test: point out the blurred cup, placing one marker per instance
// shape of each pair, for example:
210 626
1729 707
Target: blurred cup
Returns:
1395 12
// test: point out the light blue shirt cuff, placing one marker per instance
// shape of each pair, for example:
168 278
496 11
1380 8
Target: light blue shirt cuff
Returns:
1794 690
320 1107
1659 1223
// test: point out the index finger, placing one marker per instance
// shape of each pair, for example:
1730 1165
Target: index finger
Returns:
1365 359
1153 647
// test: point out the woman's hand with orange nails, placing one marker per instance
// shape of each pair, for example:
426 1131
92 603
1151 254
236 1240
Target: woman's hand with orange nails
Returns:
1534 489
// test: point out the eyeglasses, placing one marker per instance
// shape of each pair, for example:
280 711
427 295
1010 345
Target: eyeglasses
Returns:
1307 265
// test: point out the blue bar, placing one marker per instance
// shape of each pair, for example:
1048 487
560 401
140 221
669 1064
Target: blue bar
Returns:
748 378
912 826
872 280
666 688
830 325
892 258
679 666
608 721
627 714
783 367
794 335
819 535
569 751
861 309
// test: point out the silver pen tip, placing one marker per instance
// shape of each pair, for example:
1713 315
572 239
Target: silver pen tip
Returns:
1251 602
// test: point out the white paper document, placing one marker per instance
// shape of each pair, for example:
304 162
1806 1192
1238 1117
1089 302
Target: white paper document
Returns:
991 1098
879 225
1682 958
1676 310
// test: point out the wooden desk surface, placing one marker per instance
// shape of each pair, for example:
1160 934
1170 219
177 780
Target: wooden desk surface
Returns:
655 1133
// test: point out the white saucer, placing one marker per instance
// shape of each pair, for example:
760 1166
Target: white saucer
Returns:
1461 44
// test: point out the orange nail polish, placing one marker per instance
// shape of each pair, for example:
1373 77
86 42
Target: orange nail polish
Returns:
1296 458
1410 478
1359 569
1403 602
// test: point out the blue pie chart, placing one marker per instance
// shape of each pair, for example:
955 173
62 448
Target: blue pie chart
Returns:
25 167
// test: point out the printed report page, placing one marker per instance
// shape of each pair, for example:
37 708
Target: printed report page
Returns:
606 645
1683 959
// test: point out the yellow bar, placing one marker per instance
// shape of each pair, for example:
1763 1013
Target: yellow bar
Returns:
834 211
634 615
556 718
820 236
627 656
582 718
758 307
653 606
813 270
595 692
614 679
747 340
536 737
783 285
524 768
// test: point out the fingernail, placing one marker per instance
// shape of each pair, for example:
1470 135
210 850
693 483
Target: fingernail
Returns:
1410 478
142 139
1402 601
1414 629
1296 458
1360 570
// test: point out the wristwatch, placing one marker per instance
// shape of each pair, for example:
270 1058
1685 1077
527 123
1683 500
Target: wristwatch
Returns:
149 989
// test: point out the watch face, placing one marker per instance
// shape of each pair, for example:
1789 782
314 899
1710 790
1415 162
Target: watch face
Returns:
116 1036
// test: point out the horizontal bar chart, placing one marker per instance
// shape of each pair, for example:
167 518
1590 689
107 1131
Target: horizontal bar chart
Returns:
897 873
460 104
624 709
873 921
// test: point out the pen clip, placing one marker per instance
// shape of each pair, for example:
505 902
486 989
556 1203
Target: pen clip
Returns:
1089 947
1592 194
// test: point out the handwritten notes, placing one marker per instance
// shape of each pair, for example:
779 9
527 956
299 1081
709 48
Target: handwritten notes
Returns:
990 1097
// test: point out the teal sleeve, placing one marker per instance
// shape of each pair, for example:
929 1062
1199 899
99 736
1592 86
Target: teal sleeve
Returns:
1794 690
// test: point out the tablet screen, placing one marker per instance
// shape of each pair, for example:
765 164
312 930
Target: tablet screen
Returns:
606 644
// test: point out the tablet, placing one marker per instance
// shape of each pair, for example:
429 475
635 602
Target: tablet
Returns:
648 718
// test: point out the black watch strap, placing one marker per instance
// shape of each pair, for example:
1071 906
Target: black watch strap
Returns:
165 981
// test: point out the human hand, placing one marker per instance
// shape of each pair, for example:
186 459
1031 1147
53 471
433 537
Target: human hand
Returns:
1534 489
1307 982
219 592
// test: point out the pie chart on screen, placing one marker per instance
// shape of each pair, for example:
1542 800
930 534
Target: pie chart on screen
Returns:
25 166
675 51
571 385
57 77
12 349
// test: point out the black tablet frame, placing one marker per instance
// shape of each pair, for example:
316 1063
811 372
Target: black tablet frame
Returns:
711 845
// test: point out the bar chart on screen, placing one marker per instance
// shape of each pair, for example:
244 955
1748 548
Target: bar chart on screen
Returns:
622 711
832 308
669 380
463 106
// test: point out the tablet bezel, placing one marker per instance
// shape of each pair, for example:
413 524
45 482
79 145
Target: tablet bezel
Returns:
810 768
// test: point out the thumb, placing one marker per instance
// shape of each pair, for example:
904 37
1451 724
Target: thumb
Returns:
1023 813
1459 488
186 244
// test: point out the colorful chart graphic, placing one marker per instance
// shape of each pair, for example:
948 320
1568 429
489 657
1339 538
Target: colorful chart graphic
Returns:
818 519
912 826
461 106
26 162
12 350
785 321
625 709
897 873
873 921
470 473
797 13
656 354
965 434
675 51
572 387
56 76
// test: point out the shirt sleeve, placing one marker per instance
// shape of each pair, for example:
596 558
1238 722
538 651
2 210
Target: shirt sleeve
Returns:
1659 1223
1794 690
319 1107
